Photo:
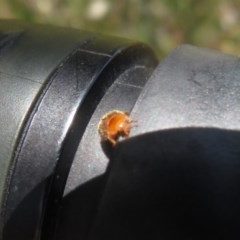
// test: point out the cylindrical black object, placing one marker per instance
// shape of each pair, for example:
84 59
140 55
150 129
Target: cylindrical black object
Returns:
176 177
52 80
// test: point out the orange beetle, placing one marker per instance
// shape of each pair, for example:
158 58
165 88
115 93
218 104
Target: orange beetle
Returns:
113 125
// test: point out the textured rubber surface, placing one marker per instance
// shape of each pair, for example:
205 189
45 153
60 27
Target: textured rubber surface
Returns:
192 87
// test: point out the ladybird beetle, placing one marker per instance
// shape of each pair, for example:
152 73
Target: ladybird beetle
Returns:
113 125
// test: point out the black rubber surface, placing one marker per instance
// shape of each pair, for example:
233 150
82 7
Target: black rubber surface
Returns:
178 177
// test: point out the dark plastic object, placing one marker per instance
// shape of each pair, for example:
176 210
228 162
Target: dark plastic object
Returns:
177 177
52 79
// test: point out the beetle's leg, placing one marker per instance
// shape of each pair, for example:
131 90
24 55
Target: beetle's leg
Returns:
112 140
134 123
